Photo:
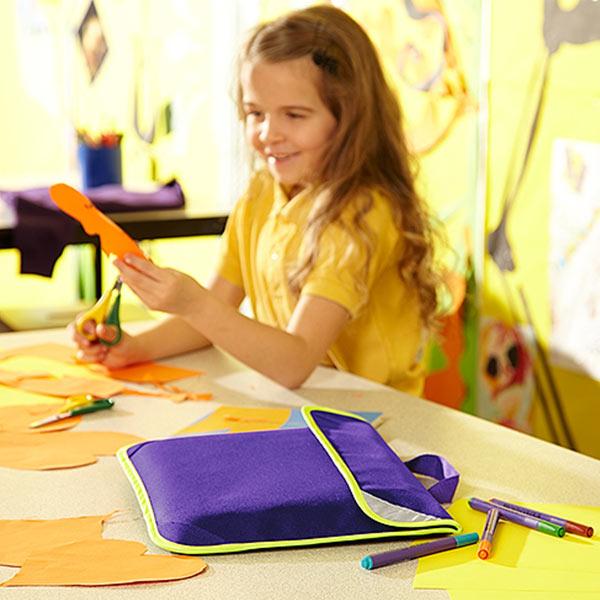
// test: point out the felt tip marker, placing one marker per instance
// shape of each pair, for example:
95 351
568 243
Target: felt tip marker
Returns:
518 517
373 561
485 545
570 526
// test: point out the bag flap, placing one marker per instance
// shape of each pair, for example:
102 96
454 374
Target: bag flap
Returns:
384 488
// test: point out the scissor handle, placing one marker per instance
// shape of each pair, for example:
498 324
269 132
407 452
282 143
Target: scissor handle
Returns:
98 313
113 319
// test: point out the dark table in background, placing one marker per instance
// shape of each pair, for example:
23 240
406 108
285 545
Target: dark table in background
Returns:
143 225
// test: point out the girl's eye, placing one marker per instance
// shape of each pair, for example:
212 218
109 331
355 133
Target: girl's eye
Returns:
255 114
295 115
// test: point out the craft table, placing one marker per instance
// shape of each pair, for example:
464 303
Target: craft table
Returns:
492 460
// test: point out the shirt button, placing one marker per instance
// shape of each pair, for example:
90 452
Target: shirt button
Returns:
274 256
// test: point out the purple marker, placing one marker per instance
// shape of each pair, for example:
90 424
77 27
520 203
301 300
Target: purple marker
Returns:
372 561
518 517
570 526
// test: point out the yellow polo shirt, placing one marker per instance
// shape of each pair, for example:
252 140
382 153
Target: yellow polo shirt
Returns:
261 243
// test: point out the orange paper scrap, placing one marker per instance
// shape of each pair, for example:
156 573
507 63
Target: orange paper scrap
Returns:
60 449
16 419
151 372
72 386
102 562
112 238
54 351
72 552
22 537
14 377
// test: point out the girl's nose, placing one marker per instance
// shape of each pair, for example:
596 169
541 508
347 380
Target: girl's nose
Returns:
269 131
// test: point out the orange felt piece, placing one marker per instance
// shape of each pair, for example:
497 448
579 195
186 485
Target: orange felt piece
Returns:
16 419
173 396
72 386
54 351
150 372
59 450
20 538
112 238
102 562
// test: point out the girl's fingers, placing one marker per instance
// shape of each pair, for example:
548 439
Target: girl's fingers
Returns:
141 265
106 332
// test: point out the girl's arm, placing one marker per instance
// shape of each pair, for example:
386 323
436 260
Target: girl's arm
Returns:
287 357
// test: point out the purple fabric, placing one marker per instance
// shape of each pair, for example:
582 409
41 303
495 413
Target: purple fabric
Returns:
438 468
41 227
271 485
377 469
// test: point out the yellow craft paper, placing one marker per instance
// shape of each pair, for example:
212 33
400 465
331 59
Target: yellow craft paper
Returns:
515 595
10 396
20 538
522 559
59 450
236 419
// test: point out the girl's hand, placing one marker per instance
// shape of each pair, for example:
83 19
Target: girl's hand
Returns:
161 289
125 353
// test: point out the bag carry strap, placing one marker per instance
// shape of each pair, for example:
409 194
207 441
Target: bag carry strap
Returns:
436 467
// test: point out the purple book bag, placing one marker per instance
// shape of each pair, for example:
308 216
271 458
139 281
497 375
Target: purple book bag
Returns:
335 480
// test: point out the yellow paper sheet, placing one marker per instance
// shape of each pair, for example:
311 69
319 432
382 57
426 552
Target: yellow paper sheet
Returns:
514 595
522 559
10 396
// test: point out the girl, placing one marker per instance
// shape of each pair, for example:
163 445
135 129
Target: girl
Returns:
330 242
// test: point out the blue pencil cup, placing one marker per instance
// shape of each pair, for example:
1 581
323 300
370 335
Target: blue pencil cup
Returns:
99 165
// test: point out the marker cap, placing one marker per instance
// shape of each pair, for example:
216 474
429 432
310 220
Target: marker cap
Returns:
551 529
466 538
366 562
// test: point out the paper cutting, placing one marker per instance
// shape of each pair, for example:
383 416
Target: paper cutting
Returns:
73 552
60 449
113 239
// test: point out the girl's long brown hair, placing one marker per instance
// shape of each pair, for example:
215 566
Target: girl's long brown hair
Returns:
368 149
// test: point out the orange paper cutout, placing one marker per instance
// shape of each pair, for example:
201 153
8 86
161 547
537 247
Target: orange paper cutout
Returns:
59 450
102 562
20 538
236 419
112 238
72 386
150 372
16 419
55 351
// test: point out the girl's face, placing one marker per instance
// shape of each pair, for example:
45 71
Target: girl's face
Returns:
286 121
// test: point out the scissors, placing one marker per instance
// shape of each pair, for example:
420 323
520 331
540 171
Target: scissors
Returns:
105 311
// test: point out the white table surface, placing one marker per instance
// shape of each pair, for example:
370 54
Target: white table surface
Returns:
492 460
